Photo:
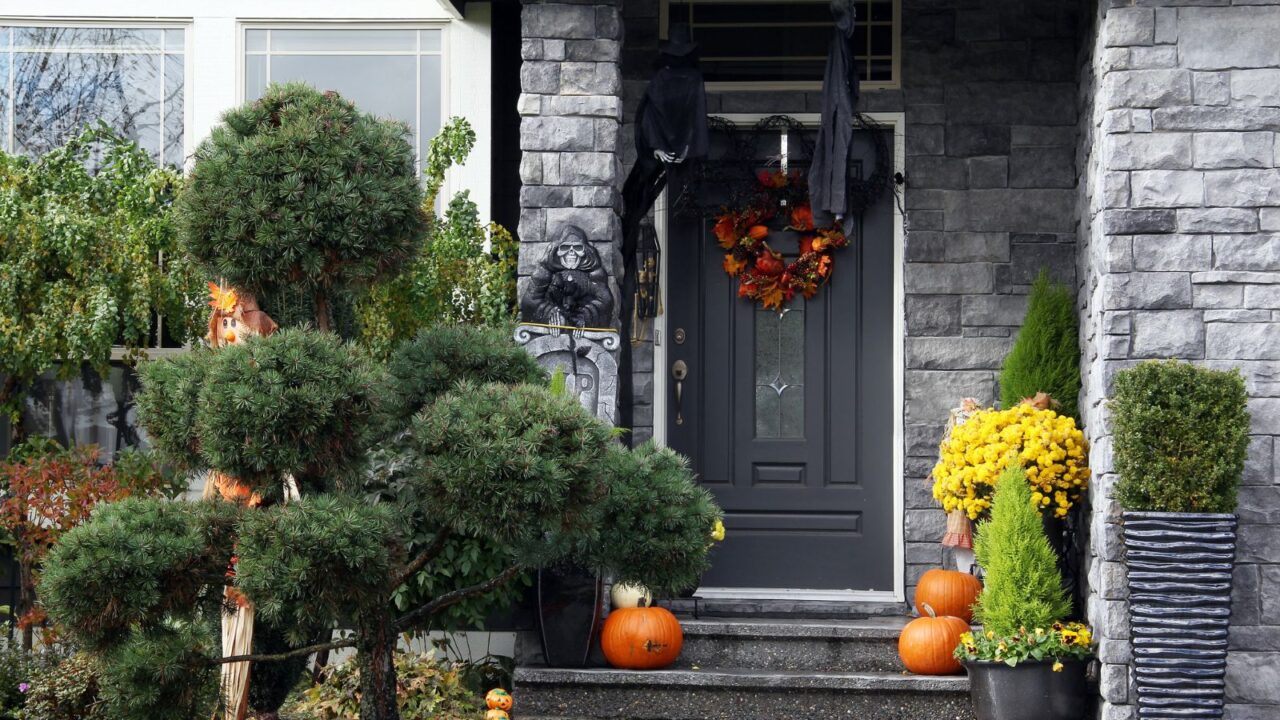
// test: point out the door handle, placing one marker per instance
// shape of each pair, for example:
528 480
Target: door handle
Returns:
679 371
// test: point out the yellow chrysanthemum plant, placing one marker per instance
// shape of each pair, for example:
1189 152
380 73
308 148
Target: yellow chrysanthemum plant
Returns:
1048 446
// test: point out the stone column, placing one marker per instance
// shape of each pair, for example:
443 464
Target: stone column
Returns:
1179 259
571 114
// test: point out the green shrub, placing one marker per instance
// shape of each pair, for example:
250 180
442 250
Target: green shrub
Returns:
1181 437
438 358
1022 586
654 501
19 670
428 689
162 673
1046 354
300 189
69 691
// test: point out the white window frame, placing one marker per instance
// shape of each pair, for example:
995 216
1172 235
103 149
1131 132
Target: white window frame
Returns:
183 24
664 23
445 53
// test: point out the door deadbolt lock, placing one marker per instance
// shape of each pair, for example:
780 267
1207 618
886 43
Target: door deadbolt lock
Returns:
679 336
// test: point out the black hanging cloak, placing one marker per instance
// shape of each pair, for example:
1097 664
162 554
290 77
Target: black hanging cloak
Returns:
828 175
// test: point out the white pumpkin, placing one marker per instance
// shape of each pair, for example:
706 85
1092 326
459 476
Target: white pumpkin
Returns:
630 596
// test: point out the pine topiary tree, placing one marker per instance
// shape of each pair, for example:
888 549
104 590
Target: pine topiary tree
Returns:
299 190
1046 355
1181 437
1023 587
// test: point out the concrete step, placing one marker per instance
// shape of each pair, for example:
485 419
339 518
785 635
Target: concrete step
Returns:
840 646
550 694
700 607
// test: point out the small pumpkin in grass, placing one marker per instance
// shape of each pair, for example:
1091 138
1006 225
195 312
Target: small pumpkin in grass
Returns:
498 699
642 638
926 644
949 592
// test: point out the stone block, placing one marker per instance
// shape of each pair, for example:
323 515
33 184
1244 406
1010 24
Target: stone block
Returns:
1235 276
924 553
608 135
1213 38
1146 89
924 525
1113 684
600 224
1115 189
1010 103
1229 315
549 133
988 172
930 394
1168 334
1211 88
1141 120
964 247
1117 121
595 106
951 353
540 77
589 168
1167 188
1256 87
590 78
1254 637
1246 252
556 20
925 139
1011 210
1112 711
531 49
933 315
1042 167
1260 296
1211 220
595 196
1026 261
1265 415
529 104
1166 25
1253 677
925 245
973 140
596 50
1146 291
1133 222
1129 26
1242 188
1216 118
1150 151
1153 58
1235 341
553 49
546 196
949 278
937 172
1269 219
1234 150
532 226
531 168
1172 252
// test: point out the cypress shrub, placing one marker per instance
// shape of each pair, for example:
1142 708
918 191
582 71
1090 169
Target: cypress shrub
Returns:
1023 588
1046 355
1181 437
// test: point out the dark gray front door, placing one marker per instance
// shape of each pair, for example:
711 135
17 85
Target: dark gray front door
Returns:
788 416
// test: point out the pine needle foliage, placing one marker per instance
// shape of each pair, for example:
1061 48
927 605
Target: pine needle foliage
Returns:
665 517
300 189
1046 354
1023 588
436 360
1181 437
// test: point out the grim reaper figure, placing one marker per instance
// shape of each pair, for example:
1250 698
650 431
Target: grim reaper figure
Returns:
570 286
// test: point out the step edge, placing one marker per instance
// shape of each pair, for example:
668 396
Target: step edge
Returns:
744 679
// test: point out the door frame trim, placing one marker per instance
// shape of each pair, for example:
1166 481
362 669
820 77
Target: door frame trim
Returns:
897 122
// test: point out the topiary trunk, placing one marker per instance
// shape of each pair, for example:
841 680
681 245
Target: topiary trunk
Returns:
375 655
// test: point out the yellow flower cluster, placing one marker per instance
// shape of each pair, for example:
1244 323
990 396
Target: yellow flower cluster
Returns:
1048 445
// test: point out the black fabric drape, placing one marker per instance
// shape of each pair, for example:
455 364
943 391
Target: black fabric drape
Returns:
671 119
828 175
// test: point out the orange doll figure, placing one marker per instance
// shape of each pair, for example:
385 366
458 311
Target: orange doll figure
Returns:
234 319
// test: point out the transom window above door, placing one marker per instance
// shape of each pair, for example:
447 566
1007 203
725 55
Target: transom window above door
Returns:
390 72
761 43
56 79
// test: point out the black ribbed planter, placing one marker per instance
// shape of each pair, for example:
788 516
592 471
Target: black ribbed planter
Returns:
1030 690
1179 571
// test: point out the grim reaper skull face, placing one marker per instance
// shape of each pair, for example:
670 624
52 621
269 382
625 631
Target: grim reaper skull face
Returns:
571 252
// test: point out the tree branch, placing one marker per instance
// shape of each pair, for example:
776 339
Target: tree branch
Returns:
422 559
457 596
299 652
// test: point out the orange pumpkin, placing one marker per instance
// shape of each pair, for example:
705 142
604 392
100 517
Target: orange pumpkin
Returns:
642 638
498 699
496 714
926 644
948 592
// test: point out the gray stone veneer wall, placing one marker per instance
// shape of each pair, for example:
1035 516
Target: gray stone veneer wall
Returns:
571 112
1180 203
989 94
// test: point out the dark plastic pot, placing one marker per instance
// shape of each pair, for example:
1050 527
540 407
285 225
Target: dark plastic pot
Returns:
1029 690
570 606
1179 570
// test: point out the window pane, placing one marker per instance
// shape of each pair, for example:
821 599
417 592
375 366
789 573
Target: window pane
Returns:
175 40
87 38
174 125
343 40
56 94
431 40
4 102
255 76
391 96
431 101
779 372
255 40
